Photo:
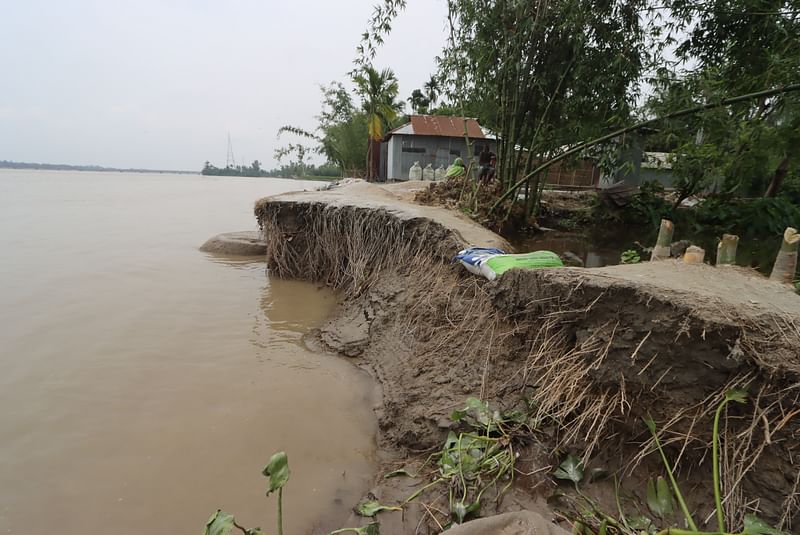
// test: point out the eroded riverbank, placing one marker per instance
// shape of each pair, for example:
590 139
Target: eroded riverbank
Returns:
589 352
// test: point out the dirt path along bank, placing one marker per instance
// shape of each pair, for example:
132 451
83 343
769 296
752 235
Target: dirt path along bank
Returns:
587 353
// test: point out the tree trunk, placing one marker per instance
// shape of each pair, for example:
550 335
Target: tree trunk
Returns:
777 179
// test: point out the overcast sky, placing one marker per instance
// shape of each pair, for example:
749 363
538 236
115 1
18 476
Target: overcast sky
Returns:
159 84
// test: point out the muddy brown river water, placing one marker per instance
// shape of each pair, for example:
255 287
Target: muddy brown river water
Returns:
143 383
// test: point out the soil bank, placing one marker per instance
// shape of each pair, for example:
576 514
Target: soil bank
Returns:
591 352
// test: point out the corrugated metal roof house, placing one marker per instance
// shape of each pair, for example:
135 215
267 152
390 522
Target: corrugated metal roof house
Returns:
430 139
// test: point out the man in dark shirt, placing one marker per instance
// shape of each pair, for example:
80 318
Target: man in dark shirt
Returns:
486 161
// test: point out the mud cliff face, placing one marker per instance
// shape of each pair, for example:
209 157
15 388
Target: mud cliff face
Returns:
593 350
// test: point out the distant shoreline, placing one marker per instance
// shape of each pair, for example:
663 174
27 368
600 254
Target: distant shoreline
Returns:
5 164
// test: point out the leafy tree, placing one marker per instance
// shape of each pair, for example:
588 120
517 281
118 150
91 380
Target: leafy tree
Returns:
543 74
432 90
419 102
734 47
341 133
378 91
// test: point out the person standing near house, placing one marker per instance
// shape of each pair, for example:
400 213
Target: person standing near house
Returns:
487 161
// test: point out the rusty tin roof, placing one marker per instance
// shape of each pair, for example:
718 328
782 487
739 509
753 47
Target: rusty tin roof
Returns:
440 125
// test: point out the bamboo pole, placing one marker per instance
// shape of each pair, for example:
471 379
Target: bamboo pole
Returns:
662 249
726 250
786 262
694 255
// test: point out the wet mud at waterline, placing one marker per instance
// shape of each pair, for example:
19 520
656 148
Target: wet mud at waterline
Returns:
594 350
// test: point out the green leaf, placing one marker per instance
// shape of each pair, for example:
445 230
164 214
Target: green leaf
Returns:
739 396
372 507
277 470
460 511
659 497
755 526
220 523
639 523
370 529
477 409
254 531
650 423
571 469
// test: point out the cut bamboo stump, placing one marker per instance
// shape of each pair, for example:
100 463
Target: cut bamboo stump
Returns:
694 255
662 249
726 250
786 262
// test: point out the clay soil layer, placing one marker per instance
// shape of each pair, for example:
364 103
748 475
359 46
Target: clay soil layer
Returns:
591 351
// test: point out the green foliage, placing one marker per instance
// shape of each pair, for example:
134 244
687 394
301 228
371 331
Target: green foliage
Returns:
659 497
631 256
253 169
378 27
651 425
470 463
531 72
378 91
754 218
277 470
735 47
370 529
648 205
340 135
419 102
755 526
432 90
219 523
477 414
571 469
593 521
373 507
309 172
752 524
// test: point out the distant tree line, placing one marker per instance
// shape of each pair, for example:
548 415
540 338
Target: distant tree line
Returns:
293 170
6 164
253 169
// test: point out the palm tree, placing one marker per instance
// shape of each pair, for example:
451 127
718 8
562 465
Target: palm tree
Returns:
378 91
432 90
419 102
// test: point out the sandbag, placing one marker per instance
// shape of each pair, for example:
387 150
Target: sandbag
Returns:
490 262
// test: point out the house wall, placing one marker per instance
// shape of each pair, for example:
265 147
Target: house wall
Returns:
663 175
583 174
403 150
